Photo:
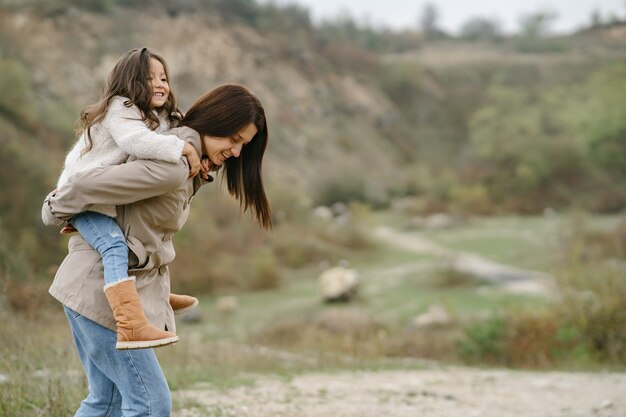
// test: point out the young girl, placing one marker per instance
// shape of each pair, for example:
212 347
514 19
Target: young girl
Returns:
136 105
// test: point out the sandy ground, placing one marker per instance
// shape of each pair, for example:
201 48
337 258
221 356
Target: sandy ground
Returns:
445 392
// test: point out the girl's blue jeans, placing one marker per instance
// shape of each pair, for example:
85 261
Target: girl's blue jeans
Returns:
122 383
105 235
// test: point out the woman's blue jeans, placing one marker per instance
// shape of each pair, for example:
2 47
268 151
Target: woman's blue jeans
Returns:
122 383
105 235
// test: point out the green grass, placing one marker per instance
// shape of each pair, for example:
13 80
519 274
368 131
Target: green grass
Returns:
41 371
403 303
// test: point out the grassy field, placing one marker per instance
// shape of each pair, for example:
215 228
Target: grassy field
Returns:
290 330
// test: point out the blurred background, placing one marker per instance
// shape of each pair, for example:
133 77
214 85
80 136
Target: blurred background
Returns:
447 183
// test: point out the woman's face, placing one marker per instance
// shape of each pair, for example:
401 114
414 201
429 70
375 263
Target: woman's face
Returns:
218 149
159 86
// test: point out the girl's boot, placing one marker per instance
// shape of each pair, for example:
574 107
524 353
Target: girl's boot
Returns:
133 329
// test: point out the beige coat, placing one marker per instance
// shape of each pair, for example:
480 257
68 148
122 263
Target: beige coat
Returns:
152 199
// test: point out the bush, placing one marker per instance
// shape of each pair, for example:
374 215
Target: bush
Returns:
485 342
593 285
524 339
471 199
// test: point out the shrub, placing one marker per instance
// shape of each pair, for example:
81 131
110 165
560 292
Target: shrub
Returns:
599 313
471 199
485 341
538 339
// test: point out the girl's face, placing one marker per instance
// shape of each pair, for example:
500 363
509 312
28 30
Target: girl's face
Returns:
219 149
158 84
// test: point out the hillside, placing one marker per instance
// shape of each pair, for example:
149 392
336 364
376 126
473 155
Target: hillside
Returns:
69 56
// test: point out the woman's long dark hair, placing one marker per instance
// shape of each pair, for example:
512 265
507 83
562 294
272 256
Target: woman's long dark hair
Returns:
129 78
222 112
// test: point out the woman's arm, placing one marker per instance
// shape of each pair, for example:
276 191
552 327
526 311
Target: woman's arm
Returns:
113 185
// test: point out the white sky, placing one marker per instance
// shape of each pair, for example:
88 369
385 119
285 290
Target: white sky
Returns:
572 14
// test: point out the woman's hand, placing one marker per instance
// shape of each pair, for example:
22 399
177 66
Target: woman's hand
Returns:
193 159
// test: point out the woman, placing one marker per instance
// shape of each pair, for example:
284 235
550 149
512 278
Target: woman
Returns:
228 126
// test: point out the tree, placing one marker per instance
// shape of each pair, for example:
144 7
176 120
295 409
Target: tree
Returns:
596 18
481 29
537 25
428 20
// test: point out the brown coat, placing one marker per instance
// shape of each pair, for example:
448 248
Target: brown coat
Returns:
152 199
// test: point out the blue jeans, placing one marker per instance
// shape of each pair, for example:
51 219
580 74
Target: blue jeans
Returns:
105 235
122 383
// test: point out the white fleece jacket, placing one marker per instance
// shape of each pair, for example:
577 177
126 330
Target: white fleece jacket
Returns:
120 134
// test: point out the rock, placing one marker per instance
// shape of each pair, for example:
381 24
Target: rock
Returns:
227 305
438 221
404 204
606 404
41 373
435 315
340 209
4 379
346 321
339 284
549 212
323 213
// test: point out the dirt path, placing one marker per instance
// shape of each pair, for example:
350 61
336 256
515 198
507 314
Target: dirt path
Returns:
446 392
508 277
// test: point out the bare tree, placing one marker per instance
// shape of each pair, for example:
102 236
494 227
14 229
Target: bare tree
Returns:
596 18
481 29
428 20
537 25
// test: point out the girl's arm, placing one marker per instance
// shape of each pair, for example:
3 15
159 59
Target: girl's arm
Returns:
70 160
113 185
132 135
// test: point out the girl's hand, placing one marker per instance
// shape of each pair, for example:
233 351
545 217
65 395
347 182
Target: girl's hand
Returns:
206 167
193 159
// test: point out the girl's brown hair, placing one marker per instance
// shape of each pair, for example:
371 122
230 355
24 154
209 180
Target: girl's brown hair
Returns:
222 112
129 79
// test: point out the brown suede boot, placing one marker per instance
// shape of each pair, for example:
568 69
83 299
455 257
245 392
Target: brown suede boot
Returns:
133 329
182 303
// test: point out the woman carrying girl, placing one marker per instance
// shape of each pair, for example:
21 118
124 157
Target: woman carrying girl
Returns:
136 107
227 126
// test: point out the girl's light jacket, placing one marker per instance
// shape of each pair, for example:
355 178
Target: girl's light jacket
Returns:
121 133
152 199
